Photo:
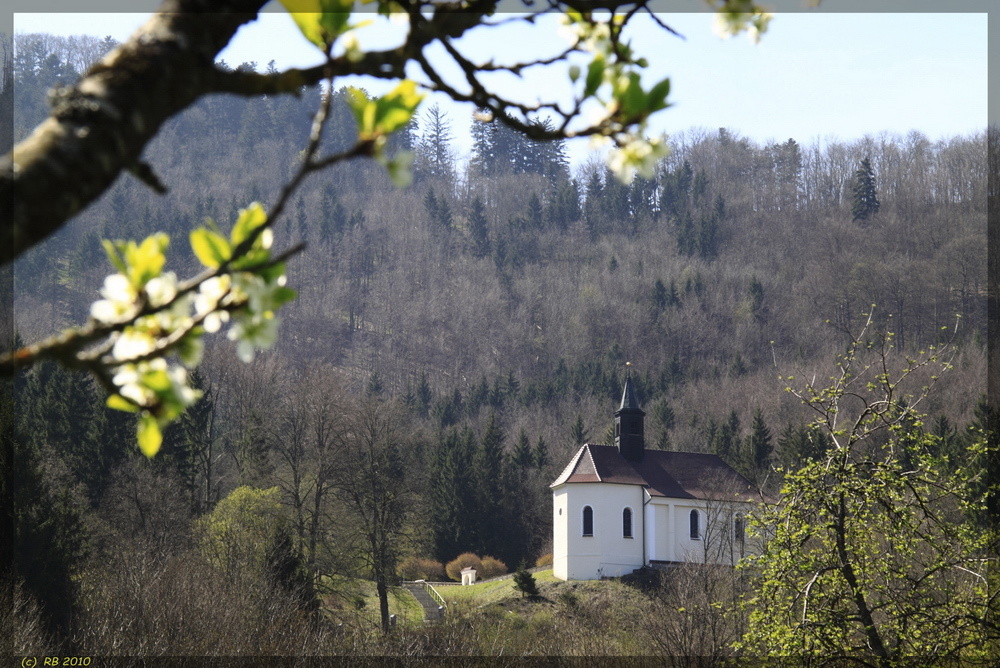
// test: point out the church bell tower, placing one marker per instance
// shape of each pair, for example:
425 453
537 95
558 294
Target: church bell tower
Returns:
629 422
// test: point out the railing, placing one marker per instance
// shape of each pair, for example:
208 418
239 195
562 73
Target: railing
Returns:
435 596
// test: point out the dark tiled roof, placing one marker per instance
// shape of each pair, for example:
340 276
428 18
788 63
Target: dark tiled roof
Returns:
678 475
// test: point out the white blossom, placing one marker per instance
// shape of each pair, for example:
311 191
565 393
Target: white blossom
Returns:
118 303
133 343
161 289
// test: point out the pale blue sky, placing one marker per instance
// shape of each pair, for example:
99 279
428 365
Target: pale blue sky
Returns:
814 75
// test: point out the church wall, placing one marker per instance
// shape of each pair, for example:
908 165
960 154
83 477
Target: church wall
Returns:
718 543
607 552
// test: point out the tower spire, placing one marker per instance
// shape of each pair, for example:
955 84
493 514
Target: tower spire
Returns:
629 421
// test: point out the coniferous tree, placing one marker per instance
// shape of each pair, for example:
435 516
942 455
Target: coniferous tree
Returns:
45 540
535 214
578 432
424 395
488 465
759 445
483 163
541 453
546 158
452 495
479 228
688 239
660 296
332 216
434 154
663 415
431 205
866 202
521 455
524 581
592 207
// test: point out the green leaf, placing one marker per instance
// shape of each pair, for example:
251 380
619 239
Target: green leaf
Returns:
283 295
147 259
157 380
249 220
395 108
120 403
630 96
657 98
115 257
321 21
595 76
149 435
210 248
363 108
273 273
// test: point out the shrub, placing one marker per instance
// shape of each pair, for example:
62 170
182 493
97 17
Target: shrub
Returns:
544 560
524 581
492 567
465 560
420 568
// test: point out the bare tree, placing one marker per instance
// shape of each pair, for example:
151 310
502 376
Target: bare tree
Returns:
369 475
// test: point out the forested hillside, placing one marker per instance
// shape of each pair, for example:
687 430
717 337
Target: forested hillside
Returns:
477 324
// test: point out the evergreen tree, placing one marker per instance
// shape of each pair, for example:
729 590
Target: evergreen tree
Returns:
866 202
759 444
524 581
431 205
452 495
375 387
727 439
659 296
45 542
434 154
479 228
688 239
563 206
799 445
578 432
535 214
424 395
483 162
592 207
60 409
664 417
985 426
521 455
493 523
540 455
708 236
332 216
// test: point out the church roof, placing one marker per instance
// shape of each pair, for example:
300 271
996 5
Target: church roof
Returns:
677 475
629 400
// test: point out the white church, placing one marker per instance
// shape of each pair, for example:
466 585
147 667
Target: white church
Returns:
617 508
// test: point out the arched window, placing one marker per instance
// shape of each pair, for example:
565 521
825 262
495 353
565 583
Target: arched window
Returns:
627 523
588 521
739 528
695 525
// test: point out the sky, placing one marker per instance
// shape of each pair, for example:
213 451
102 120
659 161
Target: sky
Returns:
814 76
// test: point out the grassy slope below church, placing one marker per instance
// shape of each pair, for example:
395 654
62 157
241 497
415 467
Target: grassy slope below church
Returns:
690 612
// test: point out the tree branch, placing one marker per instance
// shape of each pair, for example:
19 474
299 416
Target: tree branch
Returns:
100 126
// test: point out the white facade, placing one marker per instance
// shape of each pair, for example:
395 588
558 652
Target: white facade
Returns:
661 531
606 551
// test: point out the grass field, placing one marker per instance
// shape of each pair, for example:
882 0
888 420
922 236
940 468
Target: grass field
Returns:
357 600
470 597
